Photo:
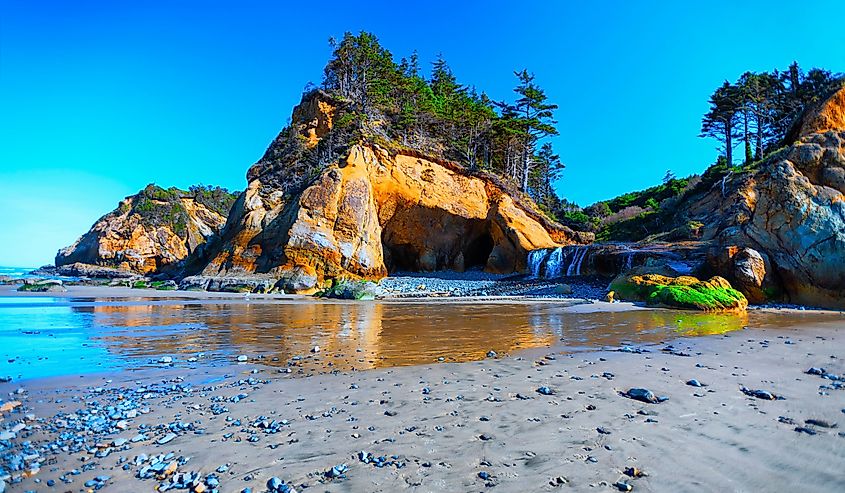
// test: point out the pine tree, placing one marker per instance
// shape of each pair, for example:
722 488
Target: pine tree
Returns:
536 117
720 121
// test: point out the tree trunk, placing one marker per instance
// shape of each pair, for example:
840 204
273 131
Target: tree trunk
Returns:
729 143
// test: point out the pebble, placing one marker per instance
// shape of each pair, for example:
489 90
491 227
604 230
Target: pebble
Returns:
545 391
242 358
166 438
623 486
760 394
166 360
695 383
821 423
644 395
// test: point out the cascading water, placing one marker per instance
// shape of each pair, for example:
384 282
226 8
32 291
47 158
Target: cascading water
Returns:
629 261
557 262
554 263
574 268
535 261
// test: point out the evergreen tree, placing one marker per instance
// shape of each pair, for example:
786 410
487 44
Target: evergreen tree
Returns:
535 116
720 121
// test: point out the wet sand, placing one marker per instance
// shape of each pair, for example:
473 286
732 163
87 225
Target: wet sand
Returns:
471 426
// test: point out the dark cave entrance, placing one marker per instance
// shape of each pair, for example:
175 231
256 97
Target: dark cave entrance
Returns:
478 251
446 245
401 257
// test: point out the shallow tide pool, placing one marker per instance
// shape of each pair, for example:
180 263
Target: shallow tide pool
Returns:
46 336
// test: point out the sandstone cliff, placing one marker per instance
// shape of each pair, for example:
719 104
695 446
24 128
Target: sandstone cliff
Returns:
151 231
315 211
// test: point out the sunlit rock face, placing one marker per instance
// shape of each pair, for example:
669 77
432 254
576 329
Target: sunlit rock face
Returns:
152 231
371 211
779 233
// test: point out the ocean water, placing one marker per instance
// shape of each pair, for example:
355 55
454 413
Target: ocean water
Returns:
43 336
15 271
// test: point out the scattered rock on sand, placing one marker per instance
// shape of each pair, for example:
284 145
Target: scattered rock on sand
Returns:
820 423
644 395
760 394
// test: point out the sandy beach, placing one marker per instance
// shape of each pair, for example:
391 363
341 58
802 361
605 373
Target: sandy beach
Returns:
536 420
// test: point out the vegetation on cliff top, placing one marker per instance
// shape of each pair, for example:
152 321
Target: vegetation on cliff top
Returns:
163 206
758 112
395 104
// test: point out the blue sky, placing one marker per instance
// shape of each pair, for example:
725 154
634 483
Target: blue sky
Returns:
98 99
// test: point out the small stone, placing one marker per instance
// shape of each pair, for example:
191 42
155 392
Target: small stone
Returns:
315 349
634 472
484 475
694 383
603 431
545 391
242 358
643 395
760 394
623 486
821 423
485 437
274 483
166 360
166 438
558 481
491 354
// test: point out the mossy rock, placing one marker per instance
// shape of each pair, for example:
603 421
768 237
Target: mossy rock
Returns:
351 290
689 293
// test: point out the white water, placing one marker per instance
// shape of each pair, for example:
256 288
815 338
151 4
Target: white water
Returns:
574 268
557 262
535 261
553 263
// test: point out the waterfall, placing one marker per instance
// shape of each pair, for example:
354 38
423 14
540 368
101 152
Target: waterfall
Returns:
535 261
557 262
629 261
581 260
574 268
553 263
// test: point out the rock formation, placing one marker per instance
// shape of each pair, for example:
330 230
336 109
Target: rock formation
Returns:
373 208
784 234
150 232
713 295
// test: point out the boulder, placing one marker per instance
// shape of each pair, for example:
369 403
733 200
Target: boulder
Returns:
686 292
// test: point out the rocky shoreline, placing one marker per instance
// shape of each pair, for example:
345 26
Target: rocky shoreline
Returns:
757 410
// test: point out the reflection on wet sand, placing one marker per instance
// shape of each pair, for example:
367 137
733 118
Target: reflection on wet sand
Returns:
373 335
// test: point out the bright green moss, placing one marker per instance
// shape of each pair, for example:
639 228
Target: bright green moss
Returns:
681 292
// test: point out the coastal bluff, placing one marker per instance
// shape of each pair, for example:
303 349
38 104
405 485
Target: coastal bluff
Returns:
372 209
150 232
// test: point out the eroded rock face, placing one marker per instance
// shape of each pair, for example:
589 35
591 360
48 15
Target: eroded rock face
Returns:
789 218
149 232
374 212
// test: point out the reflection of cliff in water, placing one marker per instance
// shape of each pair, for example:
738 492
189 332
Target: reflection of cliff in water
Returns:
371 335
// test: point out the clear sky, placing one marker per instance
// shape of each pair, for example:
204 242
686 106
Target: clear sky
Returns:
98 99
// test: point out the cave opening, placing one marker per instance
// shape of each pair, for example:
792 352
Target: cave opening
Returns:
401 257
478 251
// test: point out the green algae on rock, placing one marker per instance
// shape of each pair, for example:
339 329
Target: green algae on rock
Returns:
713 295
